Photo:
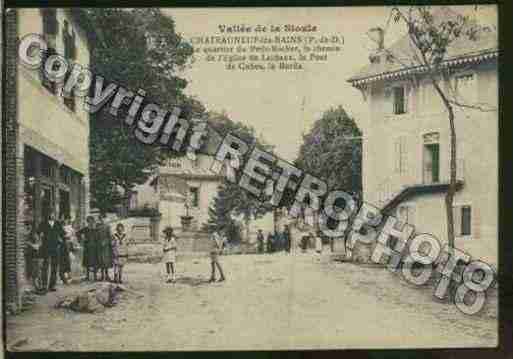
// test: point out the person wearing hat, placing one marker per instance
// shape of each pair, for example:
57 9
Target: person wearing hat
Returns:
170 247
52 237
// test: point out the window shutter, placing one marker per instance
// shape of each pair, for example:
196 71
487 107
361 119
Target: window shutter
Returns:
397 155
466 219
49 85
49 21
407 91
404 154
388 101
457 220
476 224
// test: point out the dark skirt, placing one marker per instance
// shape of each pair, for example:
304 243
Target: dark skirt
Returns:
105 255
90 257
64 260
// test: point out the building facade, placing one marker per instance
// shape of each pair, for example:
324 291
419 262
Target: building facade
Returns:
406 151
180 187
47 158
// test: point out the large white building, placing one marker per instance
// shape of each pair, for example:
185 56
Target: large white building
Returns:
406 153
178 183
48 161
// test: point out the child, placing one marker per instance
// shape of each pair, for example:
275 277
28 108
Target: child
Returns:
66 249
318 242
217 244
170 247
119 252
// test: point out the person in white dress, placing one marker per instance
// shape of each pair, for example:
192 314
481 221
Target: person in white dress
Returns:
170 247
318 243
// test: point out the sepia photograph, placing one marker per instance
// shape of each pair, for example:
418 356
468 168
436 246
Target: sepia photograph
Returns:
250 178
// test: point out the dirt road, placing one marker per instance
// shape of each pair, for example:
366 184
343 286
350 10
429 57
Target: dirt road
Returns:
269 302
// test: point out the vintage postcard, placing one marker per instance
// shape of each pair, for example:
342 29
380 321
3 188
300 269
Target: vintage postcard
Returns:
184 179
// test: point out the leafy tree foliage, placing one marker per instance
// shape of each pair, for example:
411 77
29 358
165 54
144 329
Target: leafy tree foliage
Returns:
331 151
138 49
232 200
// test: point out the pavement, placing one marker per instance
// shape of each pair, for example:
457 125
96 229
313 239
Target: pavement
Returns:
269 302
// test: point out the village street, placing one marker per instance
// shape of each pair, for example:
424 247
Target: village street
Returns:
273 301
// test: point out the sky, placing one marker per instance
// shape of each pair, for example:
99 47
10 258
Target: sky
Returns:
281 105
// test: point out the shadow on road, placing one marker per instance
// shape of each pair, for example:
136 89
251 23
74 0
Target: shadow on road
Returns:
192 281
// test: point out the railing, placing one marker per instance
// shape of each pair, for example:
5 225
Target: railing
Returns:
395 183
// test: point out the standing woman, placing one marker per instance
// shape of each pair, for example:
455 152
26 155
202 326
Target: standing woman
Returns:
89 239
105 248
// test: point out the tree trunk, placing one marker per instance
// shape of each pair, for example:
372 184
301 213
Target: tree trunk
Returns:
449 197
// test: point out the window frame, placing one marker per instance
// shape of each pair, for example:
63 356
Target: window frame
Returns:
195 198
403 108
458 220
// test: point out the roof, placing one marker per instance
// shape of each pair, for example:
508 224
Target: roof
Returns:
462 50
418 189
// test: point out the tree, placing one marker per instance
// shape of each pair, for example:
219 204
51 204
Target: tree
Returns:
220 216
430 36
331 151
137 49
235 201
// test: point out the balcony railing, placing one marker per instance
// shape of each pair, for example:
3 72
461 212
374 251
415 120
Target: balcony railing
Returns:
395 183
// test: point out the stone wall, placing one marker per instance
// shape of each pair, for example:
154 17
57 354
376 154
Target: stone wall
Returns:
12 237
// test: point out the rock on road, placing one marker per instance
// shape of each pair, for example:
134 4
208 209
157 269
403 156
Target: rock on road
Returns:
268 302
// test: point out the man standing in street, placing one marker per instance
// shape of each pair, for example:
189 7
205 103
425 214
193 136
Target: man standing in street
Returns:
52 237
260 241
217 242
286 238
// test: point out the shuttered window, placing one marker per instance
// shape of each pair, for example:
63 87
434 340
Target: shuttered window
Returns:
50 24
45 81
69 53
399 100
462 215
400 154
466 221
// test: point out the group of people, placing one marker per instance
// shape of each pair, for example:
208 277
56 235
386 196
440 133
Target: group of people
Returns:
103 250
170 249
52 247
280 241
283 241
